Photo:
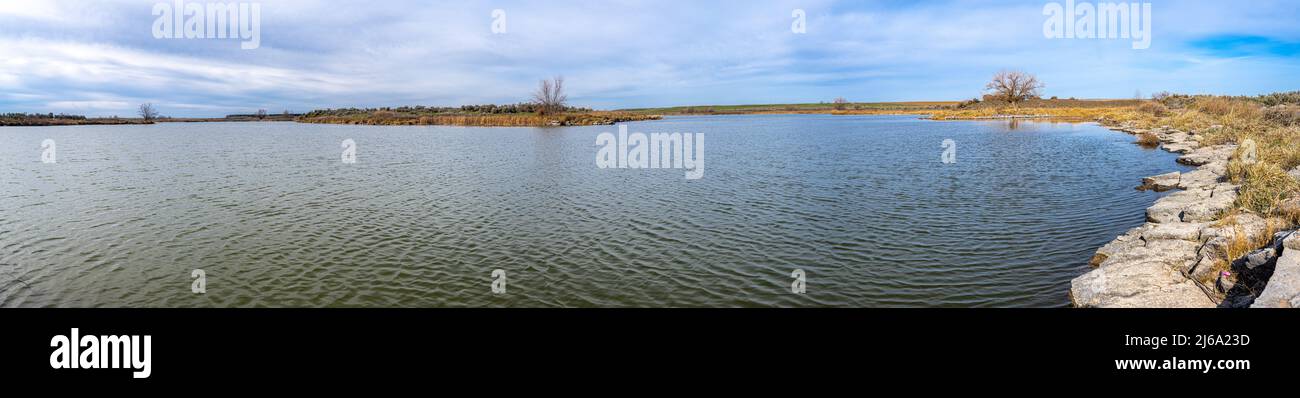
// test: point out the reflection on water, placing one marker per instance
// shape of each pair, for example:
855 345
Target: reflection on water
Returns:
862 204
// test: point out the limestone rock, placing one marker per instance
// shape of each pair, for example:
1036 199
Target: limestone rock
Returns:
1250 225
1124 242
1199 178
1136 284
1181 147
1220 200
1163 182
1209 154
1174 231
1170 208
1283 289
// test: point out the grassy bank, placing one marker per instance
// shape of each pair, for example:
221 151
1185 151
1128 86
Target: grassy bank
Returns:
818 108
25 119
523 115
1271 122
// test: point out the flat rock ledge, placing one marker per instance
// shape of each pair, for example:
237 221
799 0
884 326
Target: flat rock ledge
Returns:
1175 259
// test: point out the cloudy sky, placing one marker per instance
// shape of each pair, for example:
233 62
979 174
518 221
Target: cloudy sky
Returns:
101 58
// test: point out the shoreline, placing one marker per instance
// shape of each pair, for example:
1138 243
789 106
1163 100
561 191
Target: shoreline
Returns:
1186 253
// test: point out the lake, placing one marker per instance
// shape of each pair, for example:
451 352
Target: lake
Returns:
863 205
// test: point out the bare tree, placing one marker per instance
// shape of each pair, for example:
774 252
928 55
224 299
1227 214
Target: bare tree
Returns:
841 103
550 95
261 114
148 112
1014 86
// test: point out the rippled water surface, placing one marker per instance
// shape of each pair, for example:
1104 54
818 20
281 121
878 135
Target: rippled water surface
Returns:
862 204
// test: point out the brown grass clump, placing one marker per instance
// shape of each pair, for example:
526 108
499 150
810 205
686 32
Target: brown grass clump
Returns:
1285 115
1228 107
1153 108
389 118
1148 139
1264 186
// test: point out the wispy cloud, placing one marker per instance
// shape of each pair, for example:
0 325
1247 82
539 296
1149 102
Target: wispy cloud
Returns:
99 57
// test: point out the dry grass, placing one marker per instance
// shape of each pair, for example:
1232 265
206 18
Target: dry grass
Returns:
1263 186
1148 139
1242 244
1229 107
1054 114
388 118
1154 108
1231 120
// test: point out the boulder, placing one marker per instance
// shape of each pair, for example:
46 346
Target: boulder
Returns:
1294 173
1174 231
1220 200
1161 183
1138 283
1170 208
1219 167
1175 254
1173 136
1199 178
1207 155
1131 238
1283 288
1181 147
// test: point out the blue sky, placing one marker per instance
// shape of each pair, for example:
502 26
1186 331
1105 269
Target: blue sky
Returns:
100 58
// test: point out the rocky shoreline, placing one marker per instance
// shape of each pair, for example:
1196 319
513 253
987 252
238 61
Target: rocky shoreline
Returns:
1179 257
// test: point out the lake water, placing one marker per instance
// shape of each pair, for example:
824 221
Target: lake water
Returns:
863 205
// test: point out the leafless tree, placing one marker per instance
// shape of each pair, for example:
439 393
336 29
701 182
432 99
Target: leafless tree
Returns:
261 114
1014 86
841 103
148 112
550 95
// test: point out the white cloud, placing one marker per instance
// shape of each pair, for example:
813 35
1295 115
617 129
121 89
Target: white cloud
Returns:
319 53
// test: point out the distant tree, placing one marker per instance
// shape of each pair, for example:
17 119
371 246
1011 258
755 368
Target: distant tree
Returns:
550 96
1014 86
841 103
148 112
261 114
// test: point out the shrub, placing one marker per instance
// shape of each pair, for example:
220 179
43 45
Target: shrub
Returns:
1154 108
1228 107
1286 115
1148 139
1274 99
